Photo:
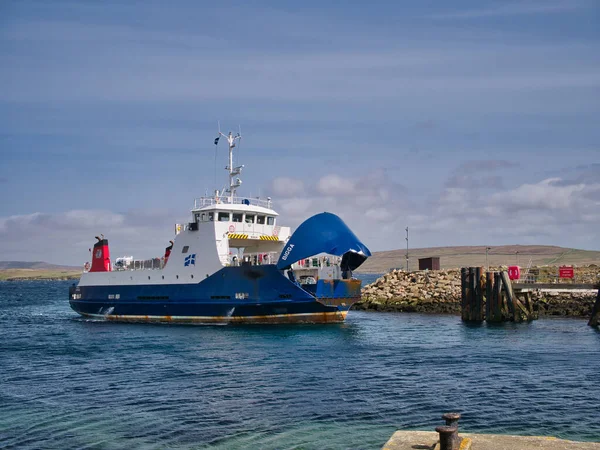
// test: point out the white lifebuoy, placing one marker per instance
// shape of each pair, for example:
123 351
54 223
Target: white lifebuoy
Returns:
86 267
275 231
231 228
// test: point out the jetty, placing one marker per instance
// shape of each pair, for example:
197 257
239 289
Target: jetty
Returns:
494 297
446 437
447 291
429 440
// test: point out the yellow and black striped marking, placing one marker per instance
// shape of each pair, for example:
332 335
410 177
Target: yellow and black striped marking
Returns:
269 238
238 236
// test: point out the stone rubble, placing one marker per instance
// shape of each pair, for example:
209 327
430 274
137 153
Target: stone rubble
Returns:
438 292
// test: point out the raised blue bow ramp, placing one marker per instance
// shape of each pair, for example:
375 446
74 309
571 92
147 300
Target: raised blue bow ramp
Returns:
324 233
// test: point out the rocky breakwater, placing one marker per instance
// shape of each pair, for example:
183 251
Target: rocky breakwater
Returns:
424 291
570 304
439 292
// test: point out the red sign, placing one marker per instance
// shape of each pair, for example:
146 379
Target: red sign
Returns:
514 272
566 272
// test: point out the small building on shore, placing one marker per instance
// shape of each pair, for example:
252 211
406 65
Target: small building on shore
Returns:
432 263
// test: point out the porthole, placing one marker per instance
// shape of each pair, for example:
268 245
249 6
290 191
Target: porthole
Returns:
177 276
148 276
192 276
163 277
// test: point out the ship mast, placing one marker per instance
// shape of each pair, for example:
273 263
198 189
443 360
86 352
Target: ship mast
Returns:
234 183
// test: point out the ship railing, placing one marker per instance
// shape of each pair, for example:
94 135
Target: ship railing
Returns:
317 262
253 259
141 264
214 200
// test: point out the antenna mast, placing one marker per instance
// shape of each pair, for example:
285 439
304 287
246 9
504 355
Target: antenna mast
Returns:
234 183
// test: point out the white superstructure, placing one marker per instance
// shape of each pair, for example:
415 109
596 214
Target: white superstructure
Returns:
225 230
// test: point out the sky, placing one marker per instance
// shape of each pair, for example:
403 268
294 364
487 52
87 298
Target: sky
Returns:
470 122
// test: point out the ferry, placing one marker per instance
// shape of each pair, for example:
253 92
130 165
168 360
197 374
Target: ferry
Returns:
231 263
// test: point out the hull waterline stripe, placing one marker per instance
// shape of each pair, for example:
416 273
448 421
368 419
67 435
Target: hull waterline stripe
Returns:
334 316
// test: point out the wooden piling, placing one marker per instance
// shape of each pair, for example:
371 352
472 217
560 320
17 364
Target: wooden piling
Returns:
501 300
478 297
464 276
515 306
595 312
472 293
508 295
489 289
529 305
495 306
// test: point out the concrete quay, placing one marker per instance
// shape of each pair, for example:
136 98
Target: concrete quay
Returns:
429 440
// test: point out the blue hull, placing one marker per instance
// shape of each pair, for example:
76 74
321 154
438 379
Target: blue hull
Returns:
252 294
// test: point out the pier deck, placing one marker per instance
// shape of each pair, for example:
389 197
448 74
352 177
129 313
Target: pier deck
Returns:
426 440
555 286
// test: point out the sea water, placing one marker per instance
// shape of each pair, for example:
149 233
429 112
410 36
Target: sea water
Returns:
68 382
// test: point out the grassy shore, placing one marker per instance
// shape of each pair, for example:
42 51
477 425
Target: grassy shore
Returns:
38 274
506 255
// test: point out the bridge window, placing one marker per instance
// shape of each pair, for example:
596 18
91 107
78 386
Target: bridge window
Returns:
197 217
249 218
211 216
223 217
260 220
185 249
203 217
237 217
270 220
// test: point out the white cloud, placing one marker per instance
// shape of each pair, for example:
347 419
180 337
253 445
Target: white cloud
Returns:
551 211
66 237
287 187
547 194
379 214
295 208
334 185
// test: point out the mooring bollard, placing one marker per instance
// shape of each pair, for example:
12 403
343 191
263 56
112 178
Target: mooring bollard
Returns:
449 439
451 419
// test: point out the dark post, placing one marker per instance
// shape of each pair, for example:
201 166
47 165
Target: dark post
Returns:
406 249
500 309
463 293
507 288
478 297
481 281
500 304
449 439
529 305
451 419
595 312
514 304
489 287
472 293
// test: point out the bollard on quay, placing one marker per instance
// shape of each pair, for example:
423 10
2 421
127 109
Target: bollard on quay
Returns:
451 418
449 439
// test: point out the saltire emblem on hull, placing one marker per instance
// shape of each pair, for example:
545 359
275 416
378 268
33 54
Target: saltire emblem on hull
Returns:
190 260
